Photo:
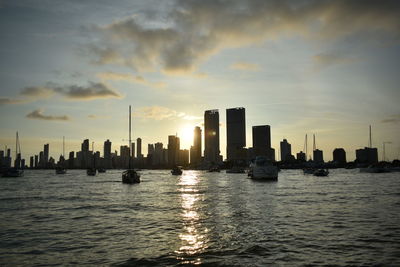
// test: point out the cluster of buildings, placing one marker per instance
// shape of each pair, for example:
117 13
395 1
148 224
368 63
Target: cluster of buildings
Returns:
159 156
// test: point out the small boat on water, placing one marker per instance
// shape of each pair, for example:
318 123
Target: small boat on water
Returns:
60 170
321 172
176 171
91 171
130 176
235 169
262 169
13 172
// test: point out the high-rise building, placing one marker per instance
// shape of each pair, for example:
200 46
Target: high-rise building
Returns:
158 154
133 150
301 156
262 142
36 161
107 150
235 134
139 148
30 162
318 156
367 155
211 136
195 150
173 150
85 145
46 154
150 149
339 155
286 151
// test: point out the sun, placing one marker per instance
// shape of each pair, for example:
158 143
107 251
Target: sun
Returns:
186 135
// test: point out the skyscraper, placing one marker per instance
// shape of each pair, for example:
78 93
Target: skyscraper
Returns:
235 133
339 155
139 148
107 153
46 154
286 151
195 150
173 149
211 136
318 156
262 142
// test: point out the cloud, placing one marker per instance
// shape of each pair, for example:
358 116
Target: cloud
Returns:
94 117
38 115
392 119
90 92
73 92
324 60
107 76
196 30
6 101
37 92
161 113
245 66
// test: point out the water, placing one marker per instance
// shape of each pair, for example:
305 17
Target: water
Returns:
215 219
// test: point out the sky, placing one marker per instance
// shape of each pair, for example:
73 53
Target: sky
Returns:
72 68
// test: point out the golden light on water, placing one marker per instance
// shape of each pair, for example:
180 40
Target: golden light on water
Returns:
192 240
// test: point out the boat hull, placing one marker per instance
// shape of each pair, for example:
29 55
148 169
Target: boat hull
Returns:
264 173
130 177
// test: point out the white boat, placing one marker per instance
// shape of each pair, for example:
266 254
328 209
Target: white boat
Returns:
263 169
130 176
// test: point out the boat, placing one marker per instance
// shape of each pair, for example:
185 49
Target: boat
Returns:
92 170
101 170
16 171
235 169
130 176
60 169
176 171
13 172
321 172
263 169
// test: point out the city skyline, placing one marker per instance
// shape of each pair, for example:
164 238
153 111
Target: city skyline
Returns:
328 68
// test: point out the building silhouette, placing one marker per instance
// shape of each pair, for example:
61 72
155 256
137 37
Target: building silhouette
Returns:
46 154
286 151
301 156
262 142
235 134
211 136
318 156
139 148
107 154
367 155
339 155
195 150
173 150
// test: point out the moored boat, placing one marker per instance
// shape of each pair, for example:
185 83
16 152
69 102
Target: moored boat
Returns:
262 169
321 172
130 176
91 171
13 172
176 171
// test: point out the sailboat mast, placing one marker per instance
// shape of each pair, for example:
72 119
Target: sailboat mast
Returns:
16 146
306 147
130 141
63 146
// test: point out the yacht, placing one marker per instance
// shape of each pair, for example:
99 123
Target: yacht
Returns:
176 171
130 176
16 171
263 169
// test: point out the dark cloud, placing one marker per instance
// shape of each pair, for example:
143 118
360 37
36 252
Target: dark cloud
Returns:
75 92
199 29
93 91
5 101
38 115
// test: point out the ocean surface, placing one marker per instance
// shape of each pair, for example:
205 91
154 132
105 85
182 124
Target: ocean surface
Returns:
212 219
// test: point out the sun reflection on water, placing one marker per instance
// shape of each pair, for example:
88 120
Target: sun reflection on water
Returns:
193 238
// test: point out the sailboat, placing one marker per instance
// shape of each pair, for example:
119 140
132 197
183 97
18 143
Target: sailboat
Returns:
17 171
130 176
92 171
60 168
